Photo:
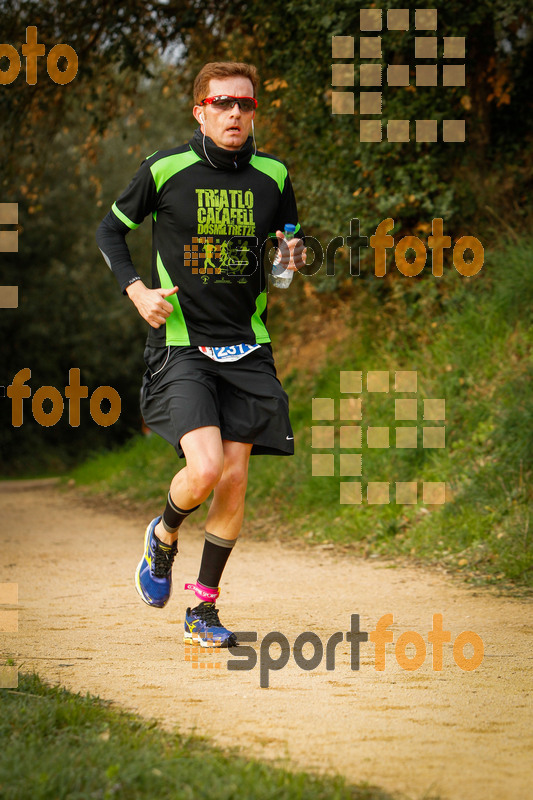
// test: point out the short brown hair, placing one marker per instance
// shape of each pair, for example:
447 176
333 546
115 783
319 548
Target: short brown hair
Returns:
222 69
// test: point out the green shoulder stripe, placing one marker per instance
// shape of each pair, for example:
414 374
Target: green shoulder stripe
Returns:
165 168
123 218
258 326
274 169
176 327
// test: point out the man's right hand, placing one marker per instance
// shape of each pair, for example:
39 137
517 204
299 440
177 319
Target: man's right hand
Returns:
151 303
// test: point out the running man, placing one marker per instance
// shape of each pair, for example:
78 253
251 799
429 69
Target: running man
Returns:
209 250
210 388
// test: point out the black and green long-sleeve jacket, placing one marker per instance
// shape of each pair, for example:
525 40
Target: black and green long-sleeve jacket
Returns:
212 213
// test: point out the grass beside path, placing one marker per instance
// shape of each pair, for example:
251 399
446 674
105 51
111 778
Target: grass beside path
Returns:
55 744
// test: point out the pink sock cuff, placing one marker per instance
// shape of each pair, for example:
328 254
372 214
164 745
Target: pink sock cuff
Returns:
203 593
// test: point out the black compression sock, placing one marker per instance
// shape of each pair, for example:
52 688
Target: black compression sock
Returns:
173 515
216 553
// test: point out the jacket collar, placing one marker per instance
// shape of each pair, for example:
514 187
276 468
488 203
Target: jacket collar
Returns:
232 160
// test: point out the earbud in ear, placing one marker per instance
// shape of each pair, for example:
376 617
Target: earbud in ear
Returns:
202 118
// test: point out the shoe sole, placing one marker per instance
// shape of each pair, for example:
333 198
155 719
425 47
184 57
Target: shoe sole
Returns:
206 643
196 640
138 576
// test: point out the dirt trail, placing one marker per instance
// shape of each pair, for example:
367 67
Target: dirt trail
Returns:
465 735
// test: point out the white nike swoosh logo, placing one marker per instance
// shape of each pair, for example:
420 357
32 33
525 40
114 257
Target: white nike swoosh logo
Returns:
289 437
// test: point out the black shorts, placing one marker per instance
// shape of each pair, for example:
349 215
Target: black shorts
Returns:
183 389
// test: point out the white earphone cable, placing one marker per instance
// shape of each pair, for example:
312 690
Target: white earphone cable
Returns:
253 134
205 151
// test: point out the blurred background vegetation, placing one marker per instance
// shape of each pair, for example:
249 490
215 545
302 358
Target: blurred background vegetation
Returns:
67 151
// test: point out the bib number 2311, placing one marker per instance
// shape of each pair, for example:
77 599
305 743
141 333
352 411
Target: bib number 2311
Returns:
232 353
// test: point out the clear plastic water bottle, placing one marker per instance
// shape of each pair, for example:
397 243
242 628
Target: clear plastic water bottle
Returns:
282 277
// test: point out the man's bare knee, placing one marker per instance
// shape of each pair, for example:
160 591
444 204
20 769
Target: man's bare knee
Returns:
234 477
205 474
205 460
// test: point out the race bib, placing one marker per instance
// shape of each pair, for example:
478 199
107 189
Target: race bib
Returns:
232 353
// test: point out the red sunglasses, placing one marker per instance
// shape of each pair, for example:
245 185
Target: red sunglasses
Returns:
224 102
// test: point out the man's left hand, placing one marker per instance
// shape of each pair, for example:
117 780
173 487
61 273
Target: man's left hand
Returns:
293 252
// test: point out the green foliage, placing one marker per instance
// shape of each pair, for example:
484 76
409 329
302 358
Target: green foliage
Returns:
71 312
411 182
114 47
57 744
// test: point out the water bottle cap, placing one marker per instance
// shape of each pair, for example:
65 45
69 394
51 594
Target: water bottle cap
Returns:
290 227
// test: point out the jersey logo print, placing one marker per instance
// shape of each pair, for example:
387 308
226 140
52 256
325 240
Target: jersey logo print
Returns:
207 255
199 255
226 212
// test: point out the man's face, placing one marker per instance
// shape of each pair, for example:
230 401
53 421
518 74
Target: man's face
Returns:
228 129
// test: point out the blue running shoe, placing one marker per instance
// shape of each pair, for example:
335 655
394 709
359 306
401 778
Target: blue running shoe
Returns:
203 627
153 577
